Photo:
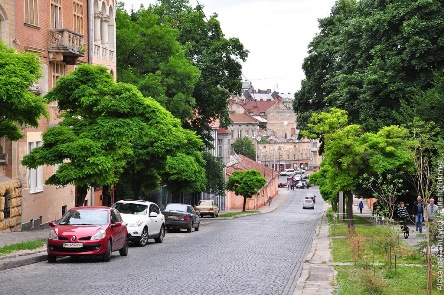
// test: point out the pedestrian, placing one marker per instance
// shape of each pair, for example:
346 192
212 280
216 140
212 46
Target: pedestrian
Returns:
418 212
431 210
269 201
361 206
404 215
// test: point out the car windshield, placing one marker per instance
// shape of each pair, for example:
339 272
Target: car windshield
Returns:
131 208
206 203
85 217
176 207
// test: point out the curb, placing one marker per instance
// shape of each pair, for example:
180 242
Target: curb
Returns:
17 260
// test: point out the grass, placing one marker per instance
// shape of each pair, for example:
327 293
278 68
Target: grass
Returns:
373 244
29 245
237 213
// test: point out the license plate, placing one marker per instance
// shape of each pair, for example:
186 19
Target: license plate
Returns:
72 245
174 217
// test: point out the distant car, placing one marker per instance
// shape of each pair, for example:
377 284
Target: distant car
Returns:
95 230
207 207
300 184
178 216
311 197
308 204
144 220
287 172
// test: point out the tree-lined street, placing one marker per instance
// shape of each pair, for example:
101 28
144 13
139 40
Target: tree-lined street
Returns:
256 254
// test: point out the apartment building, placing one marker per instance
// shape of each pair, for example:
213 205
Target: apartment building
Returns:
64 34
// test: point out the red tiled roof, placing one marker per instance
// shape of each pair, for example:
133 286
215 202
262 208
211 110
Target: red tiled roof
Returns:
242 118
241 163
223 131
258 106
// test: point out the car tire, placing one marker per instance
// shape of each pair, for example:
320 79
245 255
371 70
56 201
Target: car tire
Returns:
159 239
124 250
190 228
143 237
107 256
52 258
197 227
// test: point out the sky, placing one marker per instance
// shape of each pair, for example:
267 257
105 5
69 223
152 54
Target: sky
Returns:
276 33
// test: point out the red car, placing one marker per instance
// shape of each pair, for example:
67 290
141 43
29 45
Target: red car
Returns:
96 230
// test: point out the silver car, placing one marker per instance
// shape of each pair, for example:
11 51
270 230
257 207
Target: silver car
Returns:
308 204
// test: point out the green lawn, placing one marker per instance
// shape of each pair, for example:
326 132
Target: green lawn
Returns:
29 245
236 213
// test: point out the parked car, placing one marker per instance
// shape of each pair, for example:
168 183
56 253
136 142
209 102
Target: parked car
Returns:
308 204
178 216
207 207
300 184
144 220
287 172
310 196
95 230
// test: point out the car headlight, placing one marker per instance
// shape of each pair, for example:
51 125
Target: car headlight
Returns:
138 223
53 235
100 234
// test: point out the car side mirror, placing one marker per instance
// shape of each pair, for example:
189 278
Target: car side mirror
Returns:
51 224
116 224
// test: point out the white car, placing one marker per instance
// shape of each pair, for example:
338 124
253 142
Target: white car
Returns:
308 204
287 172
144 220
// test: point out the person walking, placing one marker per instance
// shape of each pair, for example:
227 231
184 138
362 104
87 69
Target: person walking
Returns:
404 215
431 210
269 201
418 213
361 206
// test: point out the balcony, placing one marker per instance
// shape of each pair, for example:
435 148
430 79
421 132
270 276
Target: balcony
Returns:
65 45
3 159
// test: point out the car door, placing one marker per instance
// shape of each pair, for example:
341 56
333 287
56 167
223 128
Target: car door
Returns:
194 216
117 232
154 220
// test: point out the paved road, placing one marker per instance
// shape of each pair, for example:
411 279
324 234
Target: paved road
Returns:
257 254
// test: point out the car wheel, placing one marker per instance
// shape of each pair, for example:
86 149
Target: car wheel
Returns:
52 258
124 250
107 256
159 239
143 237
197 227
190 228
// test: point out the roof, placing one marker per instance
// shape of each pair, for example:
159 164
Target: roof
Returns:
258 106
223 131
260 119
239 162
242 118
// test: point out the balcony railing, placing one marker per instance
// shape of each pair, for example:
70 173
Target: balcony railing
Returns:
68 43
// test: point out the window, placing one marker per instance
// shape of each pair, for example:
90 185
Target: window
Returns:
219 147
78 17
64 208
56 14
7 208
58 70
31 12
35 181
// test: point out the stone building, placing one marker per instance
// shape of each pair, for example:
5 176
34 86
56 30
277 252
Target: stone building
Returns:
60 33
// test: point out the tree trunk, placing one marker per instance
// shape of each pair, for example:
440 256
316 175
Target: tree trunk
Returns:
351 224
106 196
81 192
243 206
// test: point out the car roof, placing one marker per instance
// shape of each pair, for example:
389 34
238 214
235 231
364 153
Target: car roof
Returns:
143 202
91 208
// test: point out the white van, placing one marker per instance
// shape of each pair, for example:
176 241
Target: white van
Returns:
287 172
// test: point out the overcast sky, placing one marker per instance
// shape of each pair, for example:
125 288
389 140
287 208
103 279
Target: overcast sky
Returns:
276 33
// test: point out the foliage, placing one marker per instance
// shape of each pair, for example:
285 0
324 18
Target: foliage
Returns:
25 245
150 57
246 183
372 57
244 146
19 106
214 171
109 128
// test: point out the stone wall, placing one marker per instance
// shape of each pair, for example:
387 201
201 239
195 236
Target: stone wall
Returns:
13 188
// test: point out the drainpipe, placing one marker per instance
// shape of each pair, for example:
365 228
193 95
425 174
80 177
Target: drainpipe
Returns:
90 30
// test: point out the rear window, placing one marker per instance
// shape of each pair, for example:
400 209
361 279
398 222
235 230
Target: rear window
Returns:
206 203
176 207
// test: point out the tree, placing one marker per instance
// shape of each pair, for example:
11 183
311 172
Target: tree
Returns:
150 57
246 184
371 57
215 175
105 127
19 106
244 146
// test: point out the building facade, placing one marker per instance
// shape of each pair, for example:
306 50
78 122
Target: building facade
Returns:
59 32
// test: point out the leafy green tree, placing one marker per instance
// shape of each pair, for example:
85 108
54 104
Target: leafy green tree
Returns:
370 58
244 146
215 175
19 106
246 184
150 57
107 130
